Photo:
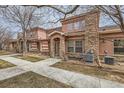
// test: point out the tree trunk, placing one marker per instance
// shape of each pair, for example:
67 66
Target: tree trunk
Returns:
24 48
19 46
0 46
24 43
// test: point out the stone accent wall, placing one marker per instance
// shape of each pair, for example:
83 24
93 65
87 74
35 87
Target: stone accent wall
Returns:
61 45
91 33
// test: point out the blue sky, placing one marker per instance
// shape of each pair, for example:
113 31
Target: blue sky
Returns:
104 20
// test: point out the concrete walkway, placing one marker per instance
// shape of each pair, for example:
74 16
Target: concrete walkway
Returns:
43 68
10 72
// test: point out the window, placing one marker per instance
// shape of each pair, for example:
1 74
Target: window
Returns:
77 25
80 25
78 46
70 46
119 46
75 46
31 34
119 43
70 27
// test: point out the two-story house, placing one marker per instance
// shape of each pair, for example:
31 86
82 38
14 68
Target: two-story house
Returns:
37 41
77 35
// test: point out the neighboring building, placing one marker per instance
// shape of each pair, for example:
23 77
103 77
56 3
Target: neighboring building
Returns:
77 35
37 41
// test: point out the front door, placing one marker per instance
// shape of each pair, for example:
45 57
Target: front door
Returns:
57 47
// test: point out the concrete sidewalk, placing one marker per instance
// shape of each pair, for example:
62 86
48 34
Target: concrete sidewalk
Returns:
16 61
43 68
11 72
75 79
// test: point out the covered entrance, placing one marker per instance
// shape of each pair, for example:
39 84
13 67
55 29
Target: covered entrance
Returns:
57 44
57 47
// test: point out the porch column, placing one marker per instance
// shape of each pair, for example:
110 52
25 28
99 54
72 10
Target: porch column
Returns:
62 47
52 47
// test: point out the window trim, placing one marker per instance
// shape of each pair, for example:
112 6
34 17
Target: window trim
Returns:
68 45
74 46
118 46
70 27
78 46
76 26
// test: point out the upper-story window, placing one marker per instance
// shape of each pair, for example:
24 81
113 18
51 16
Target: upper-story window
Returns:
31 34
70 26
78 26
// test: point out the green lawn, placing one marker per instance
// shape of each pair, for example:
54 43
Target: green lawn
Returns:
31 80
92 71
5 64
30 58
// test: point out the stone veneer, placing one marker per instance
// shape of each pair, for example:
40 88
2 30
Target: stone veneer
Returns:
91 32
61 45
91 35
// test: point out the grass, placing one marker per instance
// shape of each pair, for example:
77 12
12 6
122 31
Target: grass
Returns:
3 52
5 64
30 58
31 80
90 70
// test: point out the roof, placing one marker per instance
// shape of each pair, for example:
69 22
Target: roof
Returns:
111 32
37 28
108 27
13 40
54 29
103 30
54 32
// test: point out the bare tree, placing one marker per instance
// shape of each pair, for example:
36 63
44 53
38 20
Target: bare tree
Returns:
22 17
61 9
5 37
115 12
2 34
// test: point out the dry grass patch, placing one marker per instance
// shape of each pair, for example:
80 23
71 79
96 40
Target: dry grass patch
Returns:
5 64
3 52
105 73
31 80
31 58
